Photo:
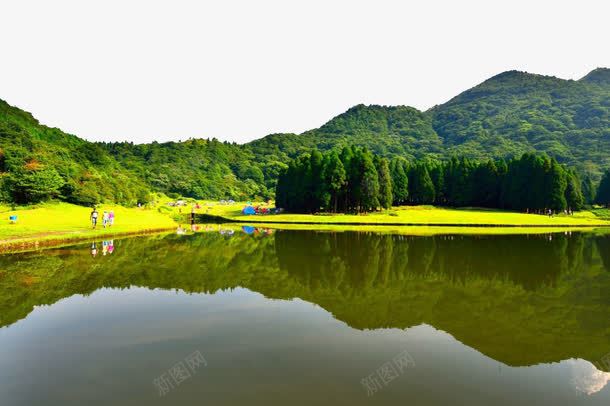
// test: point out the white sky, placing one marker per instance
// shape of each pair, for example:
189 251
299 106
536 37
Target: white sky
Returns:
238 70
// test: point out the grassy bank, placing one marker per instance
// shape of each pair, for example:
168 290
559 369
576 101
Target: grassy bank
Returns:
422 231
54 222
418 215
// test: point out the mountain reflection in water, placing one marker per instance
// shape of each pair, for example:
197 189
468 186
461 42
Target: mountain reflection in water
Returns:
522 300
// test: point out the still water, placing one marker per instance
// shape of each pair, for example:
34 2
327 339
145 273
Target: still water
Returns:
283 317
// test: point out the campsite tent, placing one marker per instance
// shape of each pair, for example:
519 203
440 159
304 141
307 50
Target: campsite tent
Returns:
248 210
248 229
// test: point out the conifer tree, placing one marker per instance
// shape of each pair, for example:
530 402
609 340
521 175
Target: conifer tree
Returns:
422 188
400 181
603 191
588 189
557 184
369 183
385 183
437 174
335 179
574 197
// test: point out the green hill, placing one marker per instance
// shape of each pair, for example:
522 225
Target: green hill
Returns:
37 162
386 130
505 116
516 112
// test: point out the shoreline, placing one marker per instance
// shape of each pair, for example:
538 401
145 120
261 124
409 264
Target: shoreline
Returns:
268 219
34 242
57 224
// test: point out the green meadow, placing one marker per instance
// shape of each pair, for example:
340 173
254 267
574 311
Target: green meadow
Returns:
418 215
54 223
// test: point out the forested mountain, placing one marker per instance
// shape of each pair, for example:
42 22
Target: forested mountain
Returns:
385 130
516 112
38 162
196 168
503 117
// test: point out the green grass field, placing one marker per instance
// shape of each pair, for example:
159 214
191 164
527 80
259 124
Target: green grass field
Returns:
54 223
418 215
422 231
61 221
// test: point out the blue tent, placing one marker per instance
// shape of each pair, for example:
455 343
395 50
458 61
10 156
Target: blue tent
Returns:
248 229
248 210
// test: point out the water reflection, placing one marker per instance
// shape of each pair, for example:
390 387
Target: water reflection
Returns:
521 300
603 247
587 379
107 248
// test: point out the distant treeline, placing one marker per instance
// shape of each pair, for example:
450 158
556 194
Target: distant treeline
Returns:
356 180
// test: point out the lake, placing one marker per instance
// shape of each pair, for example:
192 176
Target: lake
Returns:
257 316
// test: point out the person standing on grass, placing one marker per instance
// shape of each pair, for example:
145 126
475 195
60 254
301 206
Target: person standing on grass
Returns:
105 218
111 218
93 217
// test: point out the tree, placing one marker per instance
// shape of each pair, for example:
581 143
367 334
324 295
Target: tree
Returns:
421 186
603 191
357 180
574 197
385 183
36 185
400 181
557 185
349 163
369 183
84 193
314 179
486 185
334 178
437 174
588 189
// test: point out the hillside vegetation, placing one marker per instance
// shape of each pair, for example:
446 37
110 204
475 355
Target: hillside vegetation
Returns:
504 117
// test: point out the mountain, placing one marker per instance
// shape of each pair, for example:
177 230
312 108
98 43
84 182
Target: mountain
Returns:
386 130
600 76
37 162
516 112
505 116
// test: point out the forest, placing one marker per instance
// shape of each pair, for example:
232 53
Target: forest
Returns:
501 119
357 181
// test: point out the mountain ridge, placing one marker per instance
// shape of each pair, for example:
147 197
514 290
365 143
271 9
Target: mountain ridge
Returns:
509 114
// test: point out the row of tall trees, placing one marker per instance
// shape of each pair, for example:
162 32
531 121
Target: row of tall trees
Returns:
356 180
603 192
529 183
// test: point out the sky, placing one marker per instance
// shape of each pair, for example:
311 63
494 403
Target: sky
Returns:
239 70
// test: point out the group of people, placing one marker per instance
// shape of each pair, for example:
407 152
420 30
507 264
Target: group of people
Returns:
567 212
107 218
